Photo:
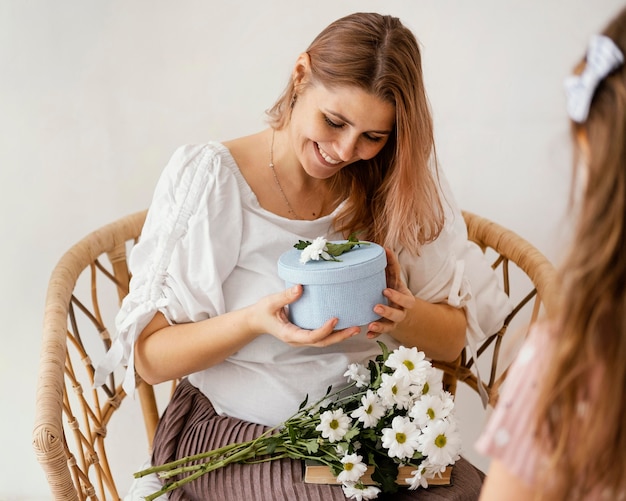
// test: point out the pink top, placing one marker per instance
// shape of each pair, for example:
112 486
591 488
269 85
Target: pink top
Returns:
509 433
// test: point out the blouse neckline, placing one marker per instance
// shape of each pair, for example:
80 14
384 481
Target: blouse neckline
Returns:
250 199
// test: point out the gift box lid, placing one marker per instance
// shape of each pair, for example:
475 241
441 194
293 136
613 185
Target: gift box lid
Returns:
360 262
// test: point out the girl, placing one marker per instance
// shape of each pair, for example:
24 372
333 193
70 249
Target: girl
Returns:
558 430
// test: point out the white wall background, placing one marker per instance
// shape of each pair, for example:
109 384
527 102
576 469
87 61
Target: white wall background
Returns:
95 96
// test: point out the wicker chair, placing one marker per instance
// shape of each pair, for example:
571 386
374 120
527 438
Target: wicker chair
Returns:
84 293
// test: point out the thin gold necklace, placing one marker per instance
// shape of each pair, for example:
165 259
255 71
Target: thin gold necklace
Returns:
290 209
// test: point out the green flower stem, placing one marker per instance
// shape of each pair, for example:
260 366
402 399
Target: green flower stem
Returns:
202 469
207 455
188 459
246 452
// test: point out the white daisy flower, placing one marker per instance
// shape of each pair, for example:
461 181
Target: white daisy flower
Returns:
440 441
425 470
359 492
371 410
418 478
353 468
395 390
434 383
316 250
409 361
402 439
431 408
334 424
358 373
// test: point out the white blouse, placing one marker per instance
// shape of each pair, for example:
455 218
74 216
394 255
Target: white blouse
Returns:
208 247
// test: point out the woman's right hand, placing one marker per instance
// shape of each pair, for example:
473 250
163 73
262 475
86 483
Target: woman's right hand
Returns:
270 315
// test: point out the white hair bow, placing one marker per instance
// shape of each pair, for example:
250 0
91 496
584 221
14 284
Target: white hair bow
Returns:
603 56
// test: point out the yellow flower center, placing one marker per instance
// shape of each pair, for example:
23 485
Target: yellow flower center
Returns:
394 389
431 413
334 424
440 441
425 389
348 466
401 438
369 410
409 365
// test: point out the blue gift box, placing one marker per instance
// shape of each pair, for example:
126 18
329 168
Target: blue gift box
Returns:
347 289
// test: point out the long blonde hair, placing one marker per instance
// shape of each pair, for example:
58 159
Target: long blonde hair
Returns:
581 417
392 199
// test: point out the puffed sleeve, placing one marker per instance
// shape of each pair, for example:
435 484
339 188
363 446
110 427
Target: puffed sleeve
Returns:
453 270
183 255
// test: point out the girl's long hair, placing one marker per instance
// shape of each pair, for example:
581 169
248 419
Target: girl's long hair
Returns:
392 199
581 419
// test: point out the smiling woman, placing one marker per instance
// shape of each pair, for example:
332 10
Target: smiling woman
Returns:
349 149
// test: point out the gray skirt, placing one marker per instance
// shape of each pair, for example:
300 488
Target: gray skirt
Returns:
190 425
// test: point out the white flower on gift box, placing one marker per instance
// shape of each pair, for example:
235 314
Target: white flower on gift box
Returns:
334 424
320 248
411 362
402 439
431 408
359 374
315 250
395 390
353 468
359 492
441 442
370 411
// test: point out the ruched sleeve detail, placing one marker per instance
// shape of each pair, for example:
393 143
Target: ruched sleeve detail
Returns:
183 255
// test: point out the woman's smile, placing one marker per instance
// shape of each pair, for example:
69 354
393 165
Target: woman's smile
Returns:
326 157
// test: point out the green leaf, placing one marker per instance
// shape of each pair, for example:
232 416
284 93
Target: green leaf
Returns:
351 433
375 374
302 244
304 402
385 474
292 434
384 349
312 446
271 444
338 249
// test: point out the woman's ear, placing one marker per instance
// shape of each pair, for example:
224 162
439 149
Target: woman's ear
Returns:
301 73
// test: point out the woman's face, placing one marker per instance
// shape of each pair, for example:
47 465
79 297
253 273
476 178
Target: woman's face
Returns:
332 128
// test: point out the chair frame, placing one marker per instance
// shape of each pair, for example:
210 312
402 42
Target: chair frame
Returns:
511 251
83 473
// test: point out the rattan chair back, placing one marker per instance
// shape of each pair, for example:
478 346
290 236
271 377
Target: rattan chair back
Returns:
85 289
529 279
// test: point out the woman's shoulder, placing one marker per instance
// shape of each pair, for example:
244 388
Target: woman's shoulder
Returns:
212 155
200 166
193 173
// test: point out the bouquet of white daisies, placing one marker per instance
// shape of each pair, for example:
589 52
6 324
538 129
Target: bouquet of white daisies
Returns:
393 413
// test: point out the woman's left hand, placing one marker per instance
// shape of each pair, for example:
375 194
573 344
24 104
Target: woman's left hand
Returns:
399 296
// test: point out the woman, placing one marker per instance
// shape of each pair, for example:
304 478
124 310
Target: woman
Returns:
558 430
349 148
